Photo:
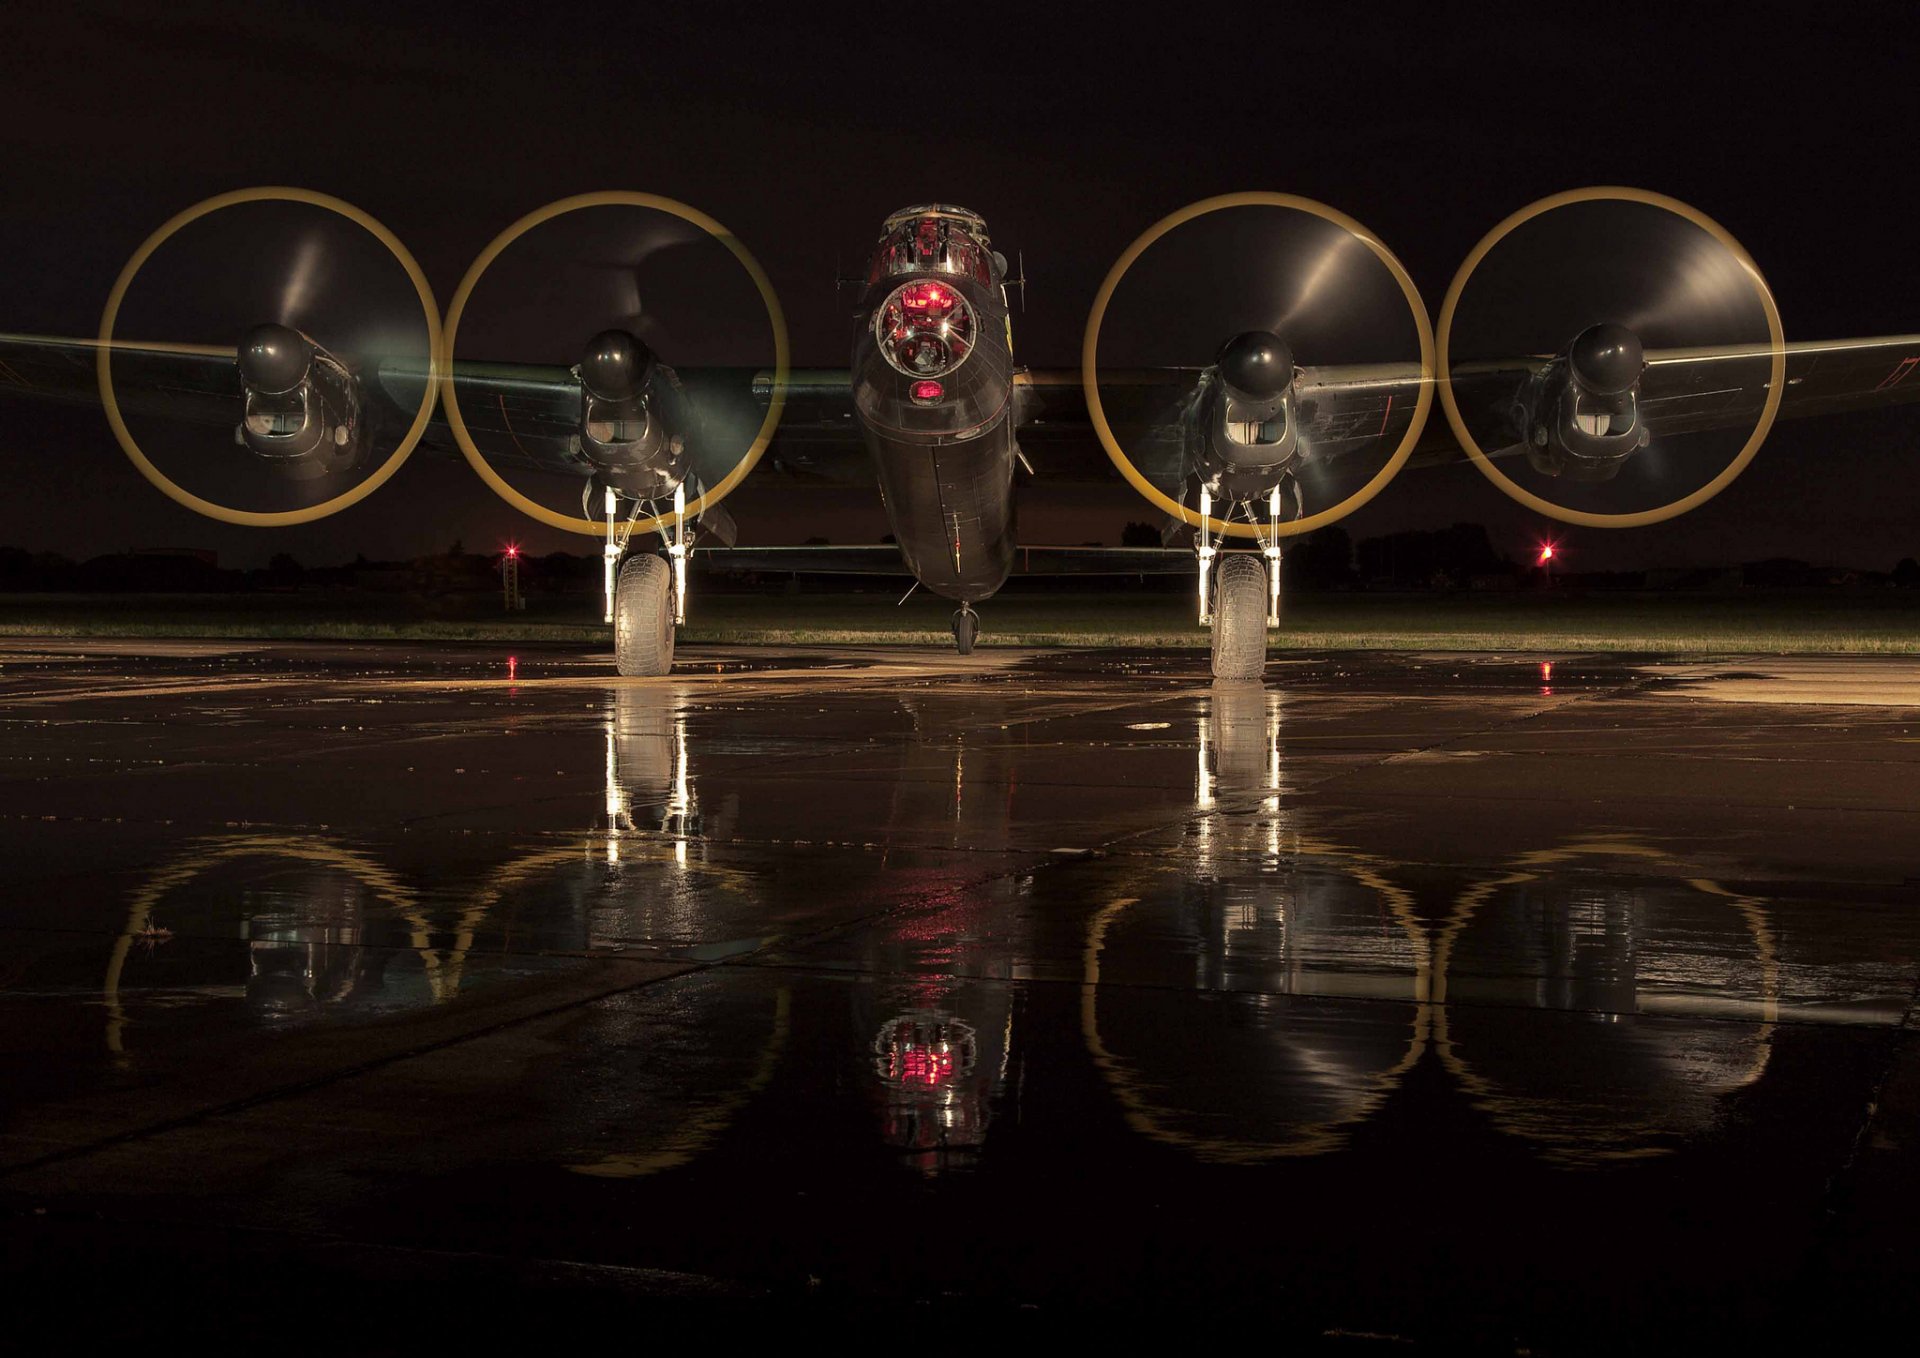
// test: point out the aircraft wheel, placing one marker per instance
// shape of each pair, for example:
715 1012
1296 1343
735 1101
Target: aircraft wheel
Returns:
1239 617
966 628
643 617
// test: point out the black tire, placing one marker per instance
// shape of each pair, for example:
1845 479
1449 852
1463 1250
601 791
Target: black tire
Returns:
1239 617
966 630
643 617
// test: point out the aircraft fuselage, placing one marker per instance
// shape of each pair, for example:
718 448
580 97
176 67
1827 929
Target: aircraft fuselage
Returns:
933 394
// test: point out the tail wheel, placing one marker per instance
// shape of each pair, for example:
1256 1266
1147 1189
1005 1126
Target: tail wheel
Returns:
1239 617
643 617
966 629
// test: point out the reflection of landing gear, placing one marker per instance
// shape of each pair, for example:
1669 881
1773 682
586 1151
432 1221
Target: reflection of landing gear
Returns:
1239 617
966 628
643 607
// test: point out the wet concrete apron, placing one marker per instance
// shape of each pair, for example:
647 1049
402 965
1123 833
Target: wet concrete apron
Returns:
1543 1002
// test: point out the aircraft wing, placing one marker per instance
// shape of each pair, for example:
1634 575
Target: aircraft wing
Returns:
524 415
521 415
1686 391
1344 409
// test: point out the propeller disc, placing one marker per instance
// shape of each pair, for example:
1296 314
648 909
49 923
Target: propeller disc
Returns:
609 293
1256 289
269 318
1564 348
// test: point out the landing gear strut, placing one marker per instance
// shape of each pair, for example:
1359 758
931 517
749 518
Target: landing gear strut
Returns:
1240 592
966 627
646 596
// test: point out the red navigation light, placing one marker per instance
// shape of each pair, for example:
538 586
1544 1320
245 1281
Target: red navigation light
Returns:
1546 671
1546 552
926 393
512 550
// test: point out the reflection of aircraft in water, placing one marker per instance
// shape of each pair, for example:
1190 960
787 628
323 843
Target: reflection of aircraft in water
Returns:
941 1037
641 873
648 786
937 1097
303 959
1266 910
1262 912
325 926
1697 959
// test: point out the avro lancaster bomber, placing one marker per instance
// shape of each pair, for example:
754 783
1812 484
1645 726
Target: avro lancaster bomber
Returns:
1242 440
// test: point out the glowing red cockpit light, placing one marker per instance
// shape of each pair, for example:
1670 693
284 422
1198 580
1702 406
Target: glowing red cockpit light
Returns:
922 1067
925 328
929 297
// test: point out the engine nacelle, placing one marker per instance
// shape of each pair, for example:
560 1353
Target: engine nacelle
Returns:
1247 441
1579 417
635 419
302 408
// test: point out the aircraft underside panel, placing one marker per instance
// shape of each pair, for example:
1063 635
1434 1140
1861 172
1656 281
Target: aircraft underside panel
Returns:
951 507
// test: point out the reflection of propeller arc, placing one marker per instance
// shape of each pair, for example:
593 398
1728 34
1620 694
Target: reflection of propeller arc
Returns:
1562 1128
1239 771
1239 289
1562 342
303 267
443 972
701 1126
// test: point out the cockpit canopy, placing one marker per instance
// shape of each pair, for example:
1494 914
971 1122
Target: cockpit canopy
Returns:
933 238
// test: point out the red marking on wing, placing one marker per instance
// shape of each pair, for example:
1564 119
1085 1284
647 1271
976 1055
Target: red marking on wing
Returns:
1899 373
1386 415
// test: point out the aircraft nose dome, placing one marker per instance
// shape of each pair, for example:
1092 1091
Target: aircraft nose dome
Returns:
1256 364
615 366
274 358
1607 358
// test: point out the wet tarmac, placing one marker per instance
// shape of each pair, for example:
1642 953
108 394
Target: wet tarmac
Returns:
358 996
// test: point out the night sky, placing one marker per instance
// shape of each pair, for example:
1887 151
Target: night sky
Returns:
1071 129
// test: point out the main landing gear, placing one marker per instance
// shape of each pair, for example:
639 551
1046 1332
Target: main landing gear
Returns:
966 629
646 595
1240 592
643 617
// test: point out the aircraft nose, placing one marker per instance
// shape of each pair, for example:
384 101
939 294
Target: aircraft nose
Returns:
274 358
1256 364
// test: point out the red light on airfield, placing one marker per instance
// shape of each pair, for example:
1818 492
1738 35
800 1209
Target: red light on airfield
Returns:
926 393
1546 552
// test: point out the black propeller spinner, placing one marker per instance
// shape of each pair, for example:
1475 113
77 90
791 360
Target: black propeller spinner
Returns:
616 366
1256 365
274 359
1606 359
